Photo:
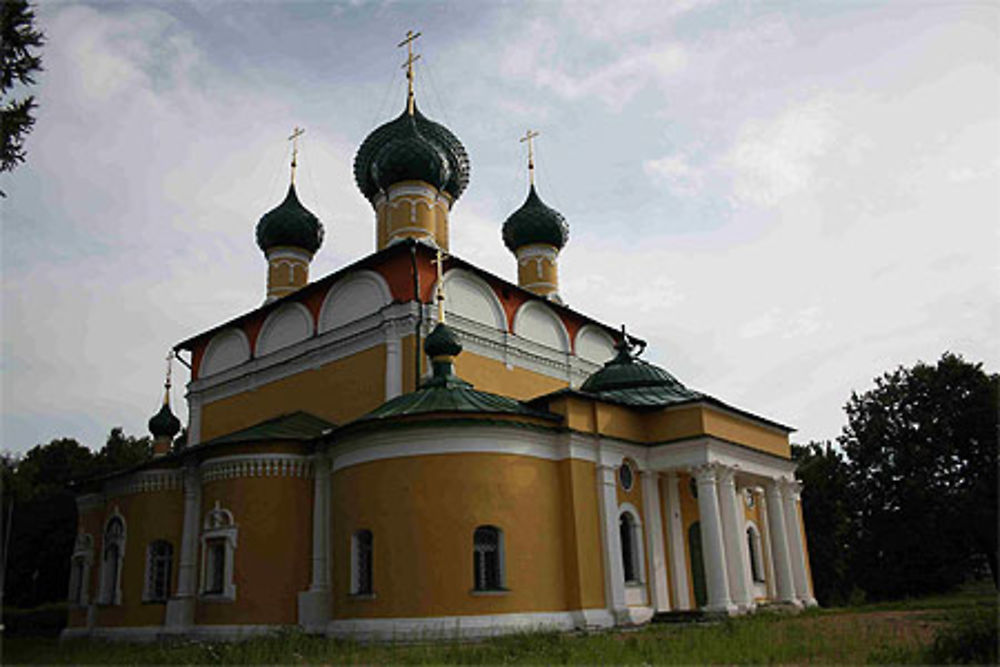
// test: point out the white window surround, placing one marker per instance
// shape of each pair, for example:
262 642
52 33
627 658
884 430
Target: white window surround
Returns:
112 559
360 552
353 297
289 324
159 556
756 553
638 547
219 524
79 574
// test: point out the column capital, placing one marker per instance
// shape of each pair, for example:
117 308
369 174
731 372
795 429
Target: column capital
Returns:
790 488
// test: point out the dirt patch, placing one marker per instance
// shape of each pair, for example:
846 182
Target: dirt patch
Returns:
914 625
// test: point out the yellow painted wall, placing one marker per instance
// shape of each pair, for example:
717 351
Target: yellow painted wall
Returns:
736 429
338 391
422 512
149 516
273 550
584 567
493 376
689 514
665 510
675 424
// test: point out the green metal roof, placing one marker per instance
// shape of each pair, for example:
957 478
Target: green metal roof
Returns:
535 222
410 157
632 381
438 135
290 224
294 426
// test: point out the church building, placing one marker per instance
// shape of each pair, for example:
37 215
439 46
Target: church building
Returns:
414 447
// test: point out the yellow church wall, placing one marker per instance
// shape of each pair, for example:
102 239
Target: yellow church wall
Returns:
584 567
689 515
578 415
736 429
619 422
149 516
493 376
667 546
675 424
273 516
423 511
338 391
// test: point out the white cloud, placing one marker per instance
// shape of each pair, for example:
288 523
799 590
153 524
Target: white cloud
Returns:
677 173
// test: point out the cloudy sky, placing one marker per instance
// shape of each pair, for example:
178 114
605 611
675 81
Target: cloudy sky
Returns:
784 199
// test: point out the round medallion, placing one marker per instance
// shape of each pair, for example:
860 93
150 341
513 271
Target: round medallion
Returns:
625 476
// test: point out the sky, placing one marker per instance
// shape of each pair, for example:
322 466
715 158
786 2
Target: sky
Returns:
785 199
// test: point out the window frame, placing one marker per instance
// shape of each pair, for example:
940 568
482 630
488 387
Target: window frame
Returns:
111 571
481 568
78 593
757 573
636 547
219 528
155 562
362 553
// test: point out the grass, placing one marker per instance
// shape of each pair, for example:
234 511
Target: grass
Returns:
935 630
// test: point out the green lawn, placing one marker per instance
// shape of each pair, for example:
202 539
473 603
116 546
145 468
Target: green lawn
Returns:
901 633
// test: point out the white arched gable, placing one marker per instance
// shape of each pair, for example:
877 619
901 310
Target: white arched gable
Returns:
353 297
227 349
286 326
594 345
469 296
536 322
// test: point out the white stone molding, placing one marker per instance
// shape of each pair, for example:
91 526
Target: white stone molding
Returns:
194 402
219 525
536 322
256 465
614 571
112 563
354 297
314 604
228 349
180 608
471 297
393 361
289 324
707 449
594 344
79 574
765 535
145 481
779 544
734 539
790 496
675 536
713 548
755 546
654 541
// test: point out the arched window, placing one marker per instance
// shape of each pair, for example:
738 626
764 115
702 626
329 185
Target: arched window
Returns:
362 550
218 548
159 560
630 548
79 573
111 562
488 559
753 544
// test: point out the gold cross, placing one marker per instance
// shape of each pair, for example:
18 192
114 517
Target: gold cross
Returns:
166 385
294 138
439 261
528 136
408 65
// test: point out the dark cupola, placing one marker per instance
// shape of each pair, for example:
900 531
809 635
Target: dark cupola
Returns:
164 425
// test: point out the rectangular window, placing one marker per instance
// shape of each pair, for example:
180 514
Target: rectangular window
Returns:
215 565
487 559
362 562
158 566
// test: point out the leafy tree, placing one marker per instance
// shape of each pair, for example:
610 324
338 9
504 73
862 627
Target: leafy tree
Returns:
921 450
123 451
18 63
826 513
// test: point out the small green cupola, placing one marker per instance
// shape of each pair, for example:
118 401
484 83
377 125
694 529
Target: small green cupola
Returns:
164 425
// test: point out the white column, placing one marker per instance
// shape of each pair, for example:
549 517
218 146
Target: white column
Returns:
614 571
779 544
194 420
393 363
180 607
654 540
791 494
765 537
314 604
713 548
675 536
734 538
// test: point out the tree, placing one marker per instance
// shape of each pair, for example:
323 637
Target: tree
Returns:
826 514
921 450
18 63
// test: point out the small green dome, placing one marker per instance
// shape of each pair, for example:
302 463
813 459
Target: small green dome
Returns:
442 342
410 157
630 380
164 423
290 224
438 135
535 222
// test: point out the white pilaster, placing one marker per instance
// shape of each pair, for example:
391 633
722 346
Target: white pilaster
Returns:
713 548
614 570
675 536
393 364
654 540
765 538
314 604
790 496
180 607
194 420
784 583
734 538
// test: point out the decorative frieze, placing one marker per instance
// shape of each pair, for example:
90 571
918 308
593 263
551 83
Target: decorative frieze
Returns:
260 465
146 481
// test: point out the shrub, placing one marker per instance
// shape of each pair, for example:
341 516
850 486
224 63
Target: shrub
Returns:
969 639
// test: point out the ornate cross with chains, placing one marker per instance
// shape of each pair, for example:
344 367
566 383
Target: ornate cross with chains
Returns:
528 136
408 65
166 384
439 261
294 138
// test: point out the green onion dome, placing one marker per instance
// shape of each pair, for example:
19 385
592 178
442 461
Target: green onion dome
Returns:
164 423
535 222
442 342
290 224
627 379
438 135
410 157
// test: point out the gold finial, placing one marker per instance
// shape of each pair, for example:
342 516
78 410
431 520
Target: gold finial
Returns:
408 65
294 138
439 261
528 136
166 384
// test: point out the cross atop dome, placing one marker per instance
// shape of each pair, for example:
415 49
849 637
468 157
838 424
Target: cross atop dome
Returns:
411 37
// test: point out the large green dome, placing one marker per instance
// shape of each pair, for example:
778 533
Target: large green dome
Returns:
410 157
164 423
438 135
290 224
535 222
628 379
